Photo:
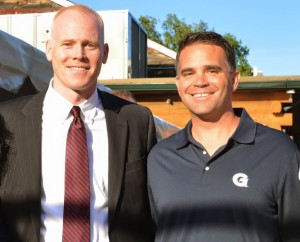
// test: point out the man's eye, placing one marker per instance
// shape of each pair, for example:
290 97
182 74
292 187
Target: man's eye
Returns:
91 46
213 71
67 44
189 73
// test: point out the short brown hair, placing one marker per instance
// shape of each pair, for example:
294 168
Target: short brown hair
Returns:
211 38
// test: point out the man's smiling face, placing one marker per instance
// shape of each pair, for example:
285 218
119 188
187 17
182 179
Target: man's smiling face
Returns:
204 80
77 52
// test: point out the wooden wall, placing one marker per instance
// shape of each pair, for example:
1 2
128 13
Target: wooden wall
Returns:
265 107
271 100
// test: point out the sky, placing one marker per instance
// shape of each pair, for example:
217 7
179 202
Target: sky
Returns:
269 28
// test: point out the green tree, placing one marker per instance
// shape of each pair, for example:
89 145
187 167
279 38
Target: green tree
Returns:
241 53
149 24
175 29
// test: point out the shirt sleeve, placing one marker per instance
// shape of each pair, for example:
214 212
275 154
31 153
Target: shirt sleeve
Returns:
289 200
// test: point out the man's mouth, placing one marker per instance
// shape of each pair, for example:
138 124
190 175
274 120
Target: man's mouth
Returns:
201 95
76 68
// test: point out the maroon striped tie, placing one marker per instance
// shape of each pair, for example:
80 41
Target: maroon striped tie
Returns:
76 225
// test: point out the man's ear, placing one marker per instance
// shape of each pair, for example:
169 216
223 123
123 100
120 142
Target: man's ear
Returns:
48 50
177 82
177 85
105 53
235 80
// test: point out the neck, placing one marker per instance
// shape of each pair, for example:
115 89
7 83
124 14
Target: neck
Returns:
214 134
74 96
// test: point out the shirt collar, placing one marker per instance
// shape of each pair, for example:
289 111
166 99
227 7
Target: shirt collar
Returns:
54 101
183 136
90 107
245 132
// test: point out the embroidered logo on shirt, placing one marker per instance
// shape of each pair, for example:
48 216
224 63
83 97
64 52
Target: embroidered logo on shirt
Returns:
240 180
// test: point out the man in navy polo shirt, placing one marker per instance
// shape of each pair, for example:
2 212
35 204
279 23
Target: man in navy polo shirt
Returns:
223 177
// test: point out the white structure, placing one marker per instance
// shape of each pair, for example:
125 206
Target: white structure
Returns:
257 72
19 60
127 40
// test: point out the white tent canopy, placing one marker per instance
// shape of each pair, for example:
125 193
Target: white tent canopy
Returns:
19 60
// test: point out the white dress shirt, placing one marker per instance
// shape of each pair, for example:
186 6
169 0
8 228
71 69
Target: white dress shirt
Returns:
56 120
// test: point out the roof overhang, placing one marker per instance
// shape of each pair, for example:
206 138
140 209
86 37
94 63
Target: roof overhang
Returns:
168 84
159 54
63 3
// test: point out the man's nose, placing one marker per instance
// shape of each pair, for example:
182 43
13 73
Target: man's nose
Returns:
78 52
200 80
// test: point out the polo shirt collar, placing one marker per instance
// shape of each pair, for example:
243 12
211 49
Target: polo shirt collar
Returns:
183 136
245 132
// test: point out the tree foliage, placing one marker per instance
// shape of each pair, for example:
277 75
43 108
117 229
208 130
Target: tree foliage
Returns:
149 24
174 29
241 53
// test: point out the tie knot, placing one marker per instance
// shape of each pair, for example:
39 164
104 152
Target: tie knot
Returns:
75 111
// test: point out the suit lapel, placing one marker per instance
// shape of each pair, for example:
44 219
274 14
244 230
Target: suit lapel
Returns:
29 145
117 130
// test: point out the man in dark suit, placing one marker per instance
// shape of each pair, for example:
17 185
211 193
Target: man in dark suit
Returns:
119 135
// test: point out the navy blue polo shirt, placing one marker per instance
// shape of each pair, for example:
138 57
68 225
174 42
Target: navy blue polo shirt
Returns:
249 190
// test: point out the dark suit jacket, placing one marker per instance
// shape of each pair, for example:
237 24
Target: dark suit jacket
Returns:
131 135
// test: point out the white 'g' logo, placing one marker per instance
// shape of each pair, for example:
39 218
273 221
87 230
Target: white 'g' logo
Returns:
240 180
